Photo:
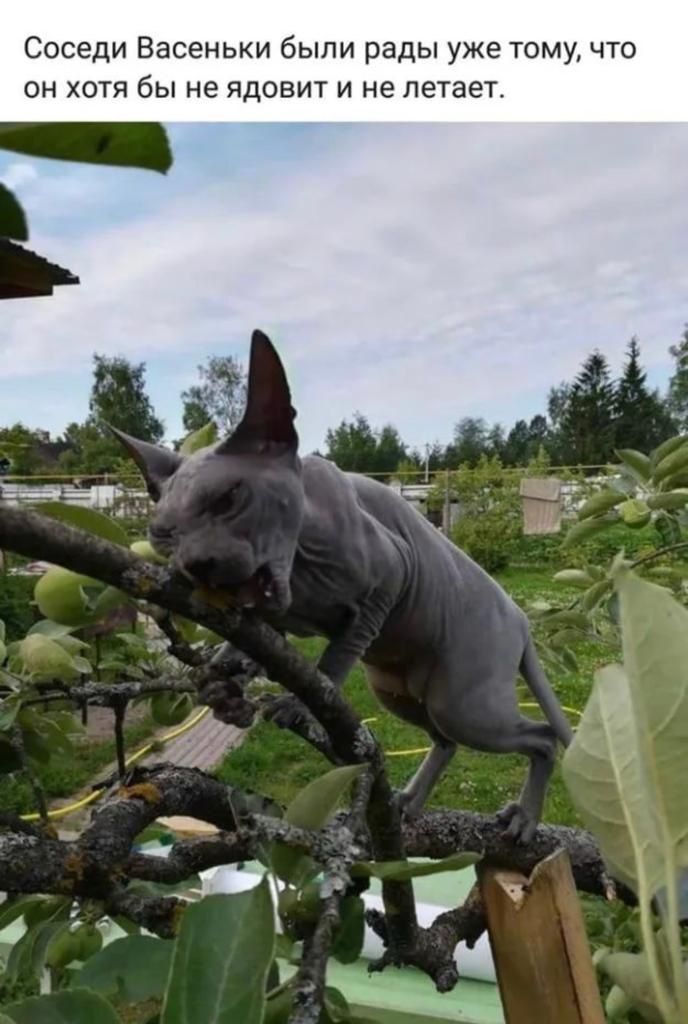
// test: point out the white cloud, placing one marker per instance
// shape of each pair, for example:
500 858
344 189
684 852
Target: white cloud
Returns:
417 272
18 174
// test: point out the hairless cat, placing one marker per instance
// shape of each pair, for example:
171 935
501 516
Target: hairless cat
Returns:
317 551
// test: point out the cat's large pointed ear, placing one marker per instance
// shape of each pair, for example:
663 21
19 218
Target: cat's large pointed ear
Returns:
268 423
156 464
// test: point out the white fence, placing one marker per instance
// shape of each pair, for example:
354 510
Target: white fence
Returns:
117 499
106 497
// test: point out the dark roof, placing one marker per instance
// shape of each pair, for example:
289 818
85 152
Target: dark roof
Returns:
25 274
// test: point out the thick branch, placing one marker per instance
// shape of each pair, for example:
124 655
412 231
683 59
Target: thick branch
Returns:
31 534
438 834
28 533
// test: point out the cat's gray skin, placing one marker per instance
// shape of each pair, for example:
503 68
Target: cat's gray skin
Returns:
320 552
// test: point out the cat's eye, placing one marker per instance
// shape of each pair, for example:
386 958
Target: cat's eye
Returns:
225 503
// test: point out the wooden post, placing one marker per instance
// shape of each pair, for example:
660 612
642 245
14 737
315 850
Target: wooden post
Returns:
539 945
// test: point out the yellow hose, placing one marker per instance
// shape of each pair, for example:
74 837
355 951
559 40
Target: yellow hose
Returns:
62 812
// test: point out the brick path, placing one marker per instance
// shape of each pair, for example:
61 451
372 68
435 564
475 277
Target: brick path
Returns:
203 746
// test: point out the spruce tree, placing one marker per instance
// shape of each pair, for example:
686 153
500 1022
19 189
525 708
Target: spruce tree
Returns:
587 422
642 421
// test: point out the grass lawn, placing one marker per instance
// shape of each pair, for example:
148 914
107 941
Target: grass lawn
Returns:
274 762
65 775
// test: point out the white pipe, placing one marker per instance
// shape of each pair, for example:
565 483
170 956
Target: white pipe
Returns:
472 963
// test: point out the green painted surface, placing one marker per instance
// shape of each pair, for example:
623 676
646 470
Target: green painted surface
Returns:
383 997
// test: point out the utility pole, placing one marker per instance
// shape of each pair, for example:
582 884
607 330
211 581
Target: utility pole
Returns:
427 463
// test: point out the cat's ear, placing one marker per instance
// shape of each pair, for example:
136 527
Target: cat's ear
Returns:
268 422
157 464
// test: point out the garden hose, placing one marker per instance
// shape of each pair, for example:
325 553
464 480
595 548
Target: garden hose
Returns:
62 812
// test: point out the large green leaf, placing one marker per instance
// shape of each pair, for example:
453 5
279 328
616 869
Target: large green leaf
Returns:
311 808
12 219
134 969
73 1006
602 771
654 630
221 960
87 519
117 144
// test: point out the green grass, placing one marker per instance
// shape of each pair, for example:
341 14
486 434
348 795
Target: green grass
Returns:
276 763
65 775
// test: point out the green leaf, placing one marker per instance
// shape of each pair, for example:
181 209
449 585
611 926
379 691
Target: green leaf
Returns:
134 968
631 973
670 464
567 617
278 1008
53 630
574 577
635 513
336 1009
87 519
311 808
12 218
402 870
201 438
595 595
9 709
655 646
638 464
667 447
583 531
601 502
73 1006
603 774
115 144
564 637
171 708
11 909
221 960
145 549
617 1004
348 942
44 659
670 500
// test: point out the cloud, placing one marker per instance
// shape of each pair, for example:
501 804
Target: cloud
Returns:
18 174
417 272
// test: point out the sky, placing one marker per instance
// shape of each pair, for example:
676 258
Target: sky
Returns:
418 273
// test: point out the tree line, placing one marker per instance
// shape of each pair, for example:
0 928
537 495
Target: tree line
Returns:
584 421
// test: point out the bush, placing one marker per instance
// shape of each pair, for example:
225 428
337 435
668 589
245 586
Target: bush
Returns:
489 522
546 550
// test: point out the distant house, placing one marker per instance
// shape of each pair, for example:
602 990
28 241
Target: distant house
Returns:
25 274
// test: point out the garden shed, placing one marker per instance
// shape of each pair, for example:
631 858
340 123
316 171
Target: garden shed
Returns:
25 274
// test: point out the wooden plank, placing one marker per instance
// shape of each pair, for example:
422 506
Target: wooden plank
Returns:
539 945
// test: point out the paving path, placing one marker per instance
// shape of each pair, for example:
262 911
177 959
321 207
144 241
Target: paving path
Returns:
203 746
